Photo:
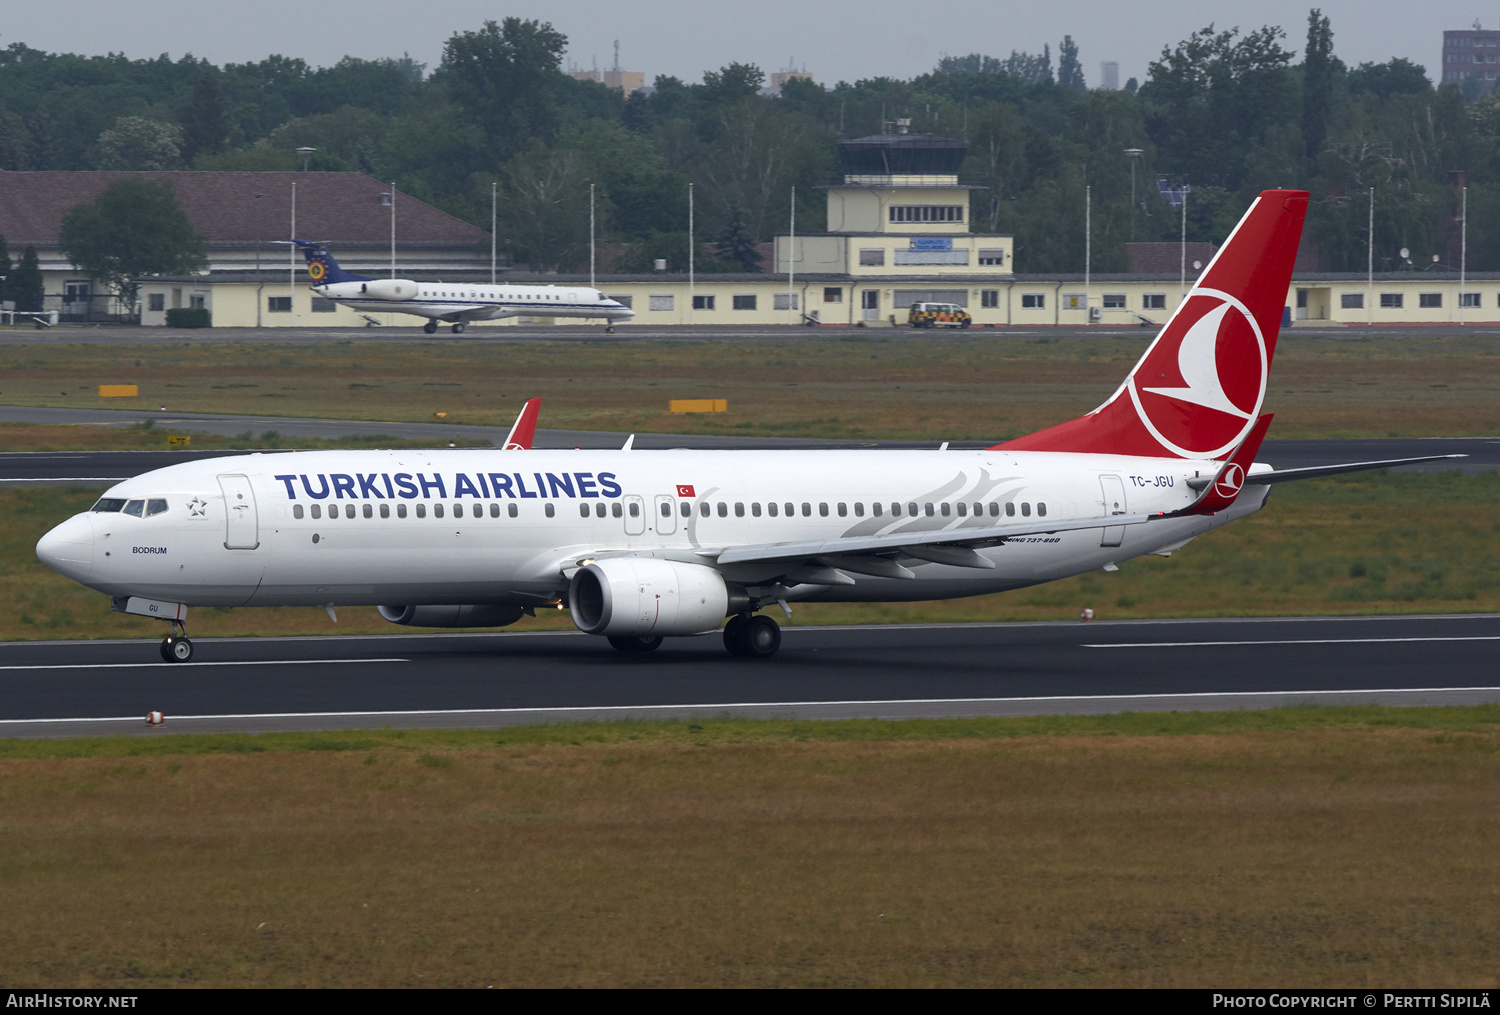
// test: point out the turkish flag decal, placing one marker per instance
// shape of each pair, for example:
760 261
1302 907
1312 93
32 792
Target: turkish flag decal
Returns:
685 490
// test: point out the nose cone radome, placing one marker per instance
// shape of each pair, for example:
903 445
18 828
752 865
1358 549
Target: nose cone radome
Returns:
69 548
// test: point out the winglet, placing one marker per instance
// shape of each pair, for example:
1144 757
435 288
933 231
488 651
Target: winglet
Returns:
523 433
1230 479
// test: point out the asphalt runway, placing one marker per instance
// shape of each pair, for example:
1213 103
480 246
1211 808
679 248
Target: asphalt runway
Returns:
497 679
80 334
40 468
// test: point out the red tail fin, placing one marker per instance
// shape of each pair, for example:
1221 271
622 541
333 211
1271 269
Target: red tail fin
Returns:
524 431
1197 391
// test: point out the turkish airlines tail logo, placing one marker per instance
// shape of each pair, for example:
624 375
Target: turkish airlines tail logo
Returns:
1197 391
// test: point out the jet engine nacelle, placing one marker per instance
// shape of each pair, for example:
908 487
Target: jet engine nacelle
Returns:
645 597
483 615
396 289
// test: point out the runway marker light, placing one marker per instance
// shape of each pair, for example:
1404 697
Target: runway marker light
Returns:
441 415
154 719
1086 614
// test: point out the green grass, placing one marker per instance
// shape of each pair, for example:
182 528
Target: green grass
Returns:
987 385
724 731
1320 848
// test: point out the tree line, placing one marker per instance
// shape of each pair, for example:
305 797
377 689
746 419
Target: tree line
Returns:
1222 114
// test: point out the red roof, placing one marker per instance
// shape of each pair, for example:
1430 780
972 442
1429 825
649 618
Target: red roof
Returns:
342 209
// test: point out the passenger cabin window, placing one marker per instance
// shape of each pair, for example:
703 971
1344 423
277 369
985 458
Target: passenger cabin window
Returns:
514 511
400 511
369 511
437 510
421 510
458 510
296 510
551 509
349 510
317 511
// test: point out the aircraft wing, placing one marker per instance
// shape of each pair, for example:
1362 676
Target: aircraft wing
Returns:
948 546
1313 472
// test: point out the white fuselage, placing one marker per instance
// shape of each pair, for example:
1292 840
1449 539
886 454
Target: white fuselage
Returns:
489 526
455 301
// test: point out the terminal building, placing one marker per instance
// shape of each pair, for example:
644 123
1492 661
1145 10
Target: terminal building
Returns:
898 233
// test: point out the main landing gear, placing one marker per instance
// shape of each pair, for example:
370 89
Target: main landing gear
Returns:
754 636
458 328
175 647
430 327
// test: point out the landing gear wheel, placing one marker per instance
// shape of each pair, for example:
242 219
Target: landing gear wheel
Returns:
630 643
430 327
609 329
734 635
761 637
176 650
458 329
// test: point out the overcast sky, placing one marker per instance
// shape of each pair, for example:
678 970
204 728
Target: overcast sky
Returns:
844 41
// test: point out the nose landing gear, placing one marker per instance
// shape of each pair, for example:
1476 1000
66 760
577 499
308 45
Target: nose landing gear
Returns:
175 647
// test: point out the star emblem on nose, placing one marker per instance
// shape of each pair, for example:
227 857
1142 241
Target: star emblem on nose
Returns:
197 507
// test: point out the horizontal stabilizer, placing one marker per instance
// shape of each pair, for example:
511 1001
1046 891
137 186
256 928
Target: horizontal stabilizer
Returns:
1288 475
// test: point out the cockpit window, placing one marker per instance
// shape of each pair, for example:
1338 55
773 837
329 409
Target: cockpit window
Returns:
109 504
155 506
134 507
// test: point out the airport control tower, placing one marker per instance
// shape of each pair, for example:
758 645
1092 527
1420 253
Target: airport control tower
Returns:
900 218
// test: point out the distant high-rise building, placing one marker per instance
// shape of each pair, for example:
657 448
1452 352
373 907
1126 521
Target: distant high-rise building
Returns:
1109 75
1472 55
788 73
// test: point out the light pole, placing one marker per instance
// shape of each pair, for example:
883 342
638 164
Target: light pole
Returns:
1134 155
306 154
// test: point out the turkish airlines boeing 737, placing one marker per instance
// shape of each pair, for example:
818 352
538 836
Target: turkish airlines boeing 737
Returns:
641 545
456 303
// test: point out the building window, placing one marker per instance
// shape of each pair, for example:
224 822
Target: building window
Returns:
1468 300
872 258
624 301
1154 301
323 305
1351 301
1430 301
994 257
833 294
927 213
1033 301
1390 301
658 302
989 298
744 302
951 258
703 302
1114 301
903 298
279 304
785 301
156 301
198 301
